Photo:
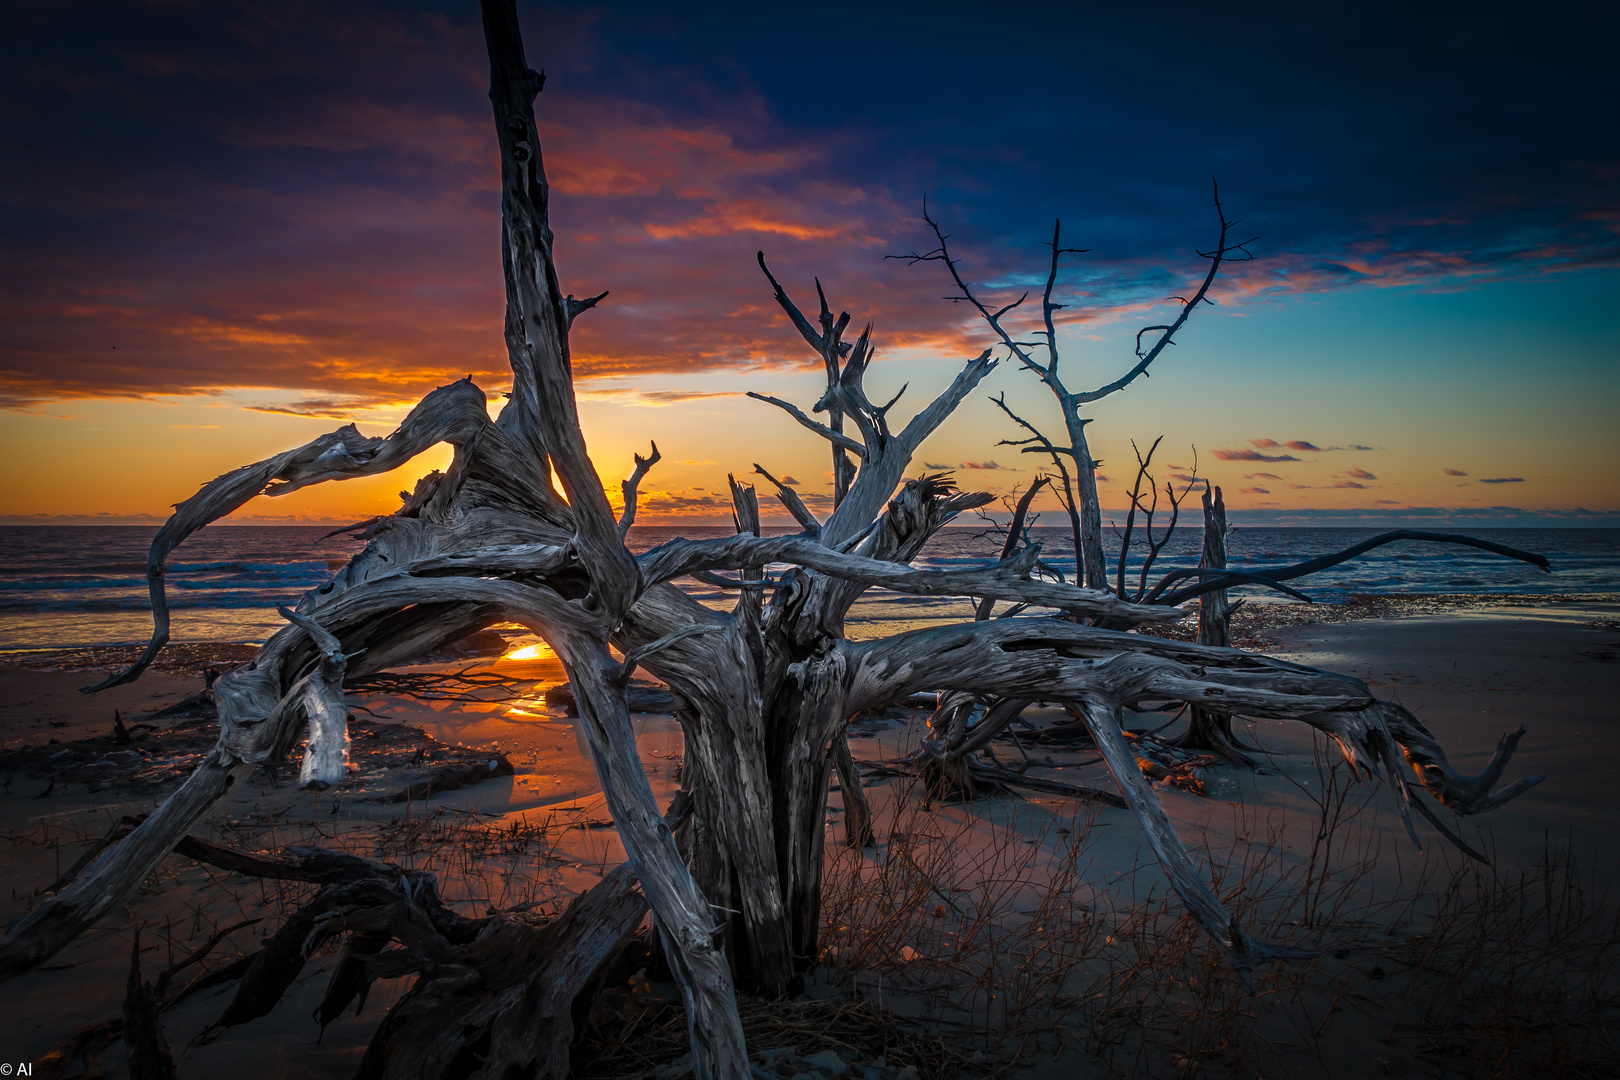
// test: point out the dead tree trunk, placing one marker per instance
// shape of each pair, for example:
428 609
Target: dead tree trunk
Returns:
1207 729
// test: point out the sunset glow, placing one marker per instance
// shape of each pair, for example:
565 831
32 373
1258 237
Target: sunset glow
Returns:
307 234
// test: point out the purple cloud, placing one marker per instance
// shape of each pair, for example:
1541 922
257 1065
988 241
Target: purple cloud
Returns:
1252 455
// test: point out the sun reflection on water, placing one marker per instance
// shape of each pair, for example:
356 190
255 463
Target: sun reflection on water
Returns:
538 651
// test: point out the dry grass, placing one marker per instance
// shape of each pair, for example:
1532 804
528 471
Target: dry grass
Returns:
860 1028
980 923
962 943
1003 947
1516 972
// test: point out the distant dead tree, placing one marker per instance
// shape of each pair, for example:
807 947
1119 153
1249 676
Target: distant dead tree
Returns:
947 760
765 690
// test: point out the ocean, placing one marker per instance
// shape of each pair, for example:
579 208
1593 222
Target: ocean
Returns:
80 586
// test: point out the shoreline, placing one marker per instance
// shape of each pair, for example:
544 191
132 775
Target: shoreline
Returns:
1253 627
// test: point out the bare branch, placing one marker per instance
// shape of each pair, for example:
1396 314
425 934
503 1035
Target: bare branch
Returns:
1047 307
1005 580
1026 658
1311 566
1156 546
1142 464
1045 445
627 516
453 414
1015 533
637 655
1102 718
848 391
818 342
838 439
1222 253
573 308
794 504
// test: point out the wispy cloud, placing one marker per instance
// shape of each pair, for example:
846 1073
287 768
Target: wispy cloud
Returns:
1292 444
1453 472
1360 474
1252 455
1501 479
635 395
318 408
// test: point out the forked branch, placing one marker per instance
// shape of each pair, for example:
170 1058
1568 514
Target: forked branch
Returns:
795 505
837 438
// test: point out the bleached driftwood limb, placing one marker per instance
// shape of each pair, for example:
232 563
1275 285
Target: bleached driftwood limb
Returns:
326 753
453 414
1007 580
1242 951
839 440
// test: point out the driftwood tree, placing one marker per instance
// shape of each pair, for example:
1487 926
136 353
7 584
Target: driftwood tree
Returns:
765 690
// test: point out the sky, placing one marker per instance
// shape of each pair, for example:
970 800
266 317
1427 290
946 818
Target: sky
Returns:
226 228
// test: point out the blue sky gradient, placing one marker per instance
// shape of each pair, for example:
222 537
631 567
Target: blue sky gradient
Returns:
229 226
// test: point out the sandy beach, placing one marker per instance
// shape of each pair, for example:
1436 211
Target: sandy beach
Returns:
1470 671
